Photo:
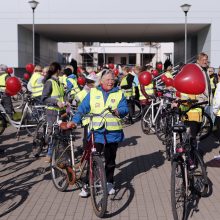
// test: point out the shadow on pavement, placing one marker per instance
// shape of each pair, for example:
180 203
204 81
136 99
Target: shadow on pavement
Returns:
15 191
128 170
131 141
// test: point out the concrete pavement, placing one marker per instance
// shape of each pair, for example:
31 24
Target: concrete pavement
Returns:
142 183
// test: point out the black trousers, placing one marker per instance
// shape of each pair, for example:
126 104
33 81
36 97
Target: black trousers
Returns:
7 103
130 108
109 150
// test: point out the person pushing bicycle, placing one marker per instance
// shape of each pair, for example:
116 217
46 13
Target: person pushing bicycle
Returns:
109 135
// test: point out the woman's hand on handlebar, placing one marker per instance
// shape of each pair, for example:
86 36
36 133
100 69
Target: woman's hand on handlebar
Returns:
71 124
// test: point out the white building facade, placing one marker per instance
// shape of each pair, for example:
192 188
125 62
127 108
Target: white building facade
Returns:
107 22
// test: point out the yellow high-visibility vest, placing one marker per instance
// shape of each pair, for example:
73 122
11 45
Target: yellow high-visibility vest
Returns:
148 89
75 88
37 88
194 114
127 92
57 93
62 80
3 81
97 105
212 83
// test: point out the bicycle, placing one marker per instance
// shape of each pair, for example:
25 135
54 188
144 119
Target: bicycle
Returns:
152 112
41 136
68 168
31 115
185 178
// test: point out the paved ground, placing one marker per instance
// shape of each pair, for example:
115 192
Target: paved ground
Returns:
142 183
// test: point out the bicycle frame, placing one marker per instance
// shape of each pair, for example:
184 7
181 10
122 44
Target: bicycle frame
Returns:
18 124
151 108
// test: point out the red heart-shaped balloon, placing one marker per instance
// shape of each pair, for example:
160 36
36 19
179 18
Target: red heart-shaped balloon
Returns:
190 80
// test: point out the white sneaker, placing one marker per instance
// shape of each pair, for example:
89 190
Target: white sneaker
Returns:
110 188
84 193
217 157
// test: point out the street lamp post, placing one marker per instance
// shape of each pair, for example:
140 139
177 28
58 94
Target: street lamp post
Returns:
33 5
142 57
185 9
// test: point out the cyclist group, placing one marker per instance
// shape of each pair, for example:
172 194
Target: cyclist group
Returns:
57 88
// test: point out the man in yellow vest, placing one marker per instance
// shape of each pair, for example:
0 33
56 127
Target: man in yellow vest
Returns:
6 99
213 79
126 86
108 132
35 84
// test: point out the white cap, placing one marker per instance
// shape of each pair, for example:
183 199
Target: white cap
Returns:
92 76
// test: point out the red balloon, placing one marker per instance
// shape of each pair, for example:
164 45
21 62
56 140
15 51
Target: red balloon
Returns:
116 72
30 68
159 66
169 82
145 78
190 80
163 78
78 70
13 85
155 73
9 70
159 94
178 94
111 66
81 81
26 76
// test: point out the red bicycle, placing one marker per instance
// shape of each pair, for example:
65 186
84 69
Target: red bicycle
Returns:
68 167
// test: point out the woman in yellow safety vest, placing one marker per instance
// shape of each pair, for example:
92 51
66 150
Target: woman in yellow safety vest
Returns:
53 97
35 84
109 132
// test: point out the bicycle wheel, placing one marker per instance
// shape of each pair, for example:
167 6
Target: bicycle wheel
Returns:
146 121
39 140
3 124
31 121
160 127
200 179
206 128
178 191
98 187
58 173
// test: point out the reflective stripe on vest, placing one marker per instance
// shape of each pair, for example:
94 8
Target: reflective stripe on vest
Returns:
57 93
2 81
148 89
37 88
127 92
97 105
212 83
80 96
75 89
